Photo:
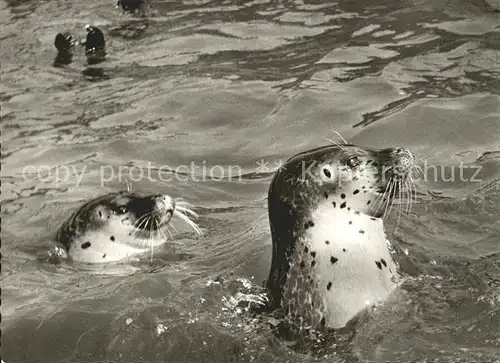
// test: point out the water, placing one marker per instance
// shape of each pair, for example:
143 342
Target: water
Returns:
236 87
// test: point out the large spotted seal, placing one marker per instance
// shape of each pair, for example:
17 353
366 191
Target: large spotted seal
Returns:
119 225
330 256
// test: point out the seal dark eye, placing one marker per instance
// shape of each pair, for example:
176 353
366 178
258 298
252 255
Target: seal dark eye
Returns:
353 161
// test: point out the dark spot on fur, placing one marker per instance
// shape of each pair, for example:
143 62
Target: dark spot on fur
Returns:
104 256
327 173
379 265
361 231
302 264
343 205
323 321
313 262
86 245
355 192
308 224
334 204
348 208
367 203
383 262
112 238
344 250
327 242
357 213
363 187
326 195
333 260
375 164
306 249
390 270
350 222
329 286
364 191
373 219
313 254
342 196
100 214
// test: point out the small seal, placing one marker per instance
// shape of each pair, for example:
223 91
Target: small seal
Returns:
120 225
493 4
331 258
95 45
138 7
65 45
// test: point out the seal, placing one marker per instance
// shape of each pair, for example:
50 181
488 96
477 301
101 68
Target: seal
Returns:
95 45
330 256
65 45
139 7
119 225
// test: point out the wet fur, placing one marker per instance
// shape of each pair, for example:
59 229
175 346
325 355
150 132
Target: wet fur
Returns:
117 226
330 254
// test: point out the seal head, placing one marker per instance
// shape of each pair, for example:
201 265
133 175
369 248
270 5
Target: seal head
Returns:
65 45
95 45
330 256
116 226
133 6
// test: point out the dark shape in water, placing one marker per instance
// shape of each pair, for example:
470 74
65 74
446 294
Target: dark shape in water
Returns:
95 74
134 6
65 45
95 45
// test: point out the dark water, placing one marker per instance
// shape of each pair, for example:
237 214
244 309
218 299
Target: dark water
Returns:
236 87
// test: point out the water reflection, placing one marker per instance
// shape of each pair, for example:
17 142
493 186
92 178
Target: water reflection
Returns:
95 74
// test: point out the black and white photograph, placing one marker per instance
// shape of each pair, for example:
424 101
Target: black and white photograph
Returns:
250 181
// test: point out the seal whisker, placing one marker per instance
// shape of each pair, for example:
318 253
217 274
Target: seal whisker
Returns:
186 219
417 169
400 207
160 231
336 143
390 199
341 137
129 185
171 223
407 195
170 234
380 200
151 238
185 210
143 220
413 194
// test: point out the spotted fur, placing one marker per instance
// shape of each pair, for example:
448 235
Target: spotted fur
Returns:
117 226
331 257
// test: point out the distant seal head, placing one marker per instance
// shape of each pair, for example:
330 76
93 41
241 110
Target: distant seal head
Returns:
139 7
65 45
330 256
120 225
493 4
95 45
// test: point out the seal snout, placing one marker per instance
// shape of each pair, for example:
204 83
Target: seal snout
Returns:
403 162
164 205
